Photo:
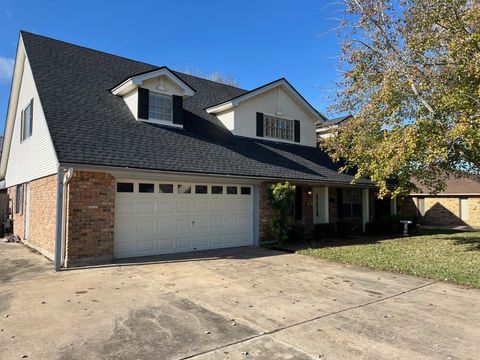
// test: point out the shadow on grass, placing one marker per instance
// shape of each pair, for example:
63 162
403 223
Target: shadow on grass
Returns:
459 237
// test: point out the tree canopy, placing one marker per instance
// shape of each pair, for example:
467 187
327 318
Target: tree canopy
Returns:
412 80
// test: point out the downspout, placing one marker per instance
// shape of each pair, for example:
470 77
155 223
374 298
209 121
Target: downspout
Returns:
66 179
62 179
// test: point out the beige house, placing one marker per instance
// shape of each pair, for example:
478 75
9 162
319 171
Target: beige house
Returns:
457 205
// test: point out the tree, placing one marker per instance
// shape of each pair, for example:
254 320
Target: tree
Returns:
280 197
412 79
215 76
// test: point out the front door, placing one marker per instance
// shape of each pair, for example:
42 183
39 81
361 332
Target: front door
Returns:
320 205
27 212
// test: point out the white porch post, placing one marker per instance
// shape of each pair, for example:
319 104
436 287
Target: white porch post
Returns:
324 204
393 206
365 207
320 205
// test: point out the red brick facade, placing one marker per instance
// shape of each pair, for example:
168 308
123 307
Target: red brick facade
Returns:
90 219
43 198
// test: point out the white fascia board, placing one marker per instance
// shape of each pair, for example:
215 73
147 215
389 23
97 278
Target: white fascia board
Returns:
281 82
12 105
138 80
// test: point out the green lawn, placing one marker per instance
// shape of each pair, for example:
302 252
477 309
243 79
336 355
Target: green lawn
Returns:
451 257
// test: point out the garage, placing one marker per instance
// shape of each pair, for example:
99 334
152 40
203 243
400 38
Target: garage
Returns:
163 217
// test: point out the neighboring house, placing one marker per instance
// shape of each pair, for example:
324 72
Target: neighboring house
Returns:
328 128
457 205
107 157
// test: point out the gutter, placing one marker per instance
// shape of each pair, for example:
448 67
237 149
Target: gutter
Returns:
63 177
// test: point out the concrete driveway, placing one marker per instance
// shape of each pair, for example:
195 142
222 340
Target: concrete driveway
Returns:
245 303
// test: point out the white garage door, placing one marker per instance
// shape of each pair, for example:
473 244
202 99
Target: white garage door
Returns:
153 217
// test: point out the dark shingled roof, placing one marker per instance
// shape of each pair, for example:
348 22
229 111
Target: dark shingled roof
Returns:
334 121
89 125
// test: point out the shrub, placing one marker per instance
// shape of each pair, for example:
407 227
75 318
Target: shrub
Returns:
296 233
390 225
344 228
324 231
280 197
371 228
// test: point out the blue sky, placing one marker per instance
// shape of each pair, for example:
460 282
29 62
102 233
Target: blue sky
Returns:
253 41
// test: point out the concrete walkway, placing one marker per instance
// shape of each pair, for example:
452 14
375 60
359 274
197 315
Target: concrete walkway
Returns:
245 303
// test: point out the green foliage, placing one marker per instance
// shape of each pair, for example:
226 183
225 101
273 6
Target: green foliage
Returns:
296 233
324 231
390 225
412 80
280 197
344 228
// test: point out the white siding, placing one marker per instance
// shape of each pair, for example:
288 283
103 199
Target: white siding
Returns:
131 99
35 157
268 103
228 119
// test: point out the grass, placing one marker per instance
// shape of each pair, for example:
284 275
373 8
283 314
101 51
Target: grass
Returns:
451 257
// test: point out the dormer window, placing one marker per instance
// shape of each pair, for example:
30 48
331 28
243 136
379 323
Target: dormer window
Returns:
278 128
159 107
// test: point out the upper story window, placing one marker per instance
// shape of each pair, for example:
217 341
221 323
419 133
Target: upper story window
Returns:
159 107
27 122
278 128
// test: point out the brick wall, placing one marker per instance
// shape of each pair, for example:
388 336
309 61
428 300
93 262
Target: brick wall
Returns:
442 210
474 211
43 198
265 210
91 217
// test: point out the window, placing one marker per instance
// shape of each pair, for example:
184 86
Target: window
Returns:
231 190
146 188
201 189
245 190
278 128
166 188
124 187
19 199
421 206
217 190
27 122
352 203
184 189
159 107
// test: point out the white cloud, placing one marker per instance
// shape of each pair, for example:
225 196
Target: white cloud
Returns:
6 69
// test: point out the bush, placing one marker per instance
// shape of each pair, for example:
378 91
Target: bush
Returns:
344 228
296 233
371 228
390 225
324 231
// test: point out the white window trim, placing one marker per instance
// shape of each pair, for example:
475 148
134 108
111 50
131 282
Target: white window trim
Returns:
165 95
22 123
281 118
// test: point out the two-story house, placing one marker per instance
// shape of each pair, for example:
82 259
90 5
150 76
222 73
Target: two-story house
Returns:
106 157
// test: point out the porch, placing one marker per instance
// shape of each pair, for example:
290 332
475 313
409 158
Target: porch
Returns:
328 204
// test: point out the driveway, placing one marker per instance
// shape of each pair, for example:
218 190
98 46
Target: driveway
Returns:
245 303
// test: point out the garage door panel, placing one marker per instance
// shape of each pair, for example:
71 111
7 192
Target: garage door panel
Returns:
165 206
183 207
162 223
125 208
184 243
146 227
166 244
146 207
167 224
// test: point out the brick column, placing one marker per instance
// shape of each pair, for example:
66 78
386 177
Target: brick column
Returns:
90 218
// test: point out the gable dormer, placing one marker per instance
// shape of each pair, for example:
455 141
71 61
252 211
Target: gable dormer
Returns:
275 111
155 97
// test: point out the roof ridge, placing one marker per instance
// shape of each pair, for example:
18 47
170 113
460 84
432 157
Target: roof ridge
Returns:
125 58
88 48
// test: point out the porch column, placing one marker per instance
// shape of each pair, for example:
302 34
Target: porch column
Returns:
365 207
324 204
393 205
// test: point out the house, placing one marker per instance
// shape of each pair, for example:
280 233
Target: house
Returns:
106 157
329 127
457 205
